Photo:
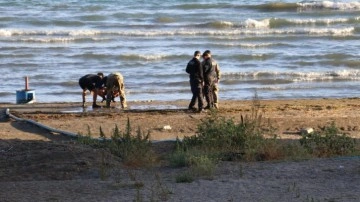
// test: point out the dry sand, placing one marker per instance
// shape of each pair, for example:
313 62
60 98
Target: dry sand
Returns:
37 165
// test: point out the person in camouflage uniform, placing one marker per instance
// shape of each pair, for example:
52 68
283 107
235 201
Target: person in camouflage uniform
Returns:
217 80
212 77
209 80
115 82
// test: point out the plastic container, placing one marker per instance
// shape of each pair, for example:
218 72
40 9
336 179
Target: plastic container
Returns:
25 96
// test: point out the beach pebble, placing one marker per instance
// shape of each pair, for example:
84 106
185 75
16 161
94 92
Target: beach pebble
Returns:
167 127
306 130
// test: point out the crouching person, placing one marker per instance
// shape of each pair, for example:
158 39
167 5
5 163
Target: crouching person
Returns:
115 82
92 83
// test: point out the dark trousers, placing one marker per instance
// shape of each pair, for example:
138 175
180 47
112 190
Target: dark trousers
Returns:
197 94
209 93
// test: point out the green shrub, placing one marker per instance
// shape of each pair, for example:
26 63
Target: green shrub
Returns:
185 177
294 151
199 167
179 158
222 138
135 150
89 140
328 142
202 166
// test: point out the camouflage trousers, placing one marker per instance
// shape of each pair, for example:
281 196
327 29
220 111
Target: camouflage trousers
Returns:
211 92
115 81
216 95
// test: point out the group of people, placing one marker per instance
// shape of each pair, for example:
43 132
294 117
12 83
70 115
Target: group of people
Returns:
108 87
204 79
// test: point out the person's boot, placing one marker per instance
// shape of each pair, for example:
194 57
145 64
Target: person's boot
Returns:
123 105
192 108
201 110
108 103
96 106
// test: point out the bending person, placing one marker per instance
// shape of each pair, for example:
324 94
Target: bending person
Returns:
91 82
115 82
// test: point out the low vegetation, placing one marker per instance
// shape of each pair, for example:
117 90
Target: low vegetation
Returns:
222 139
327 143
135 149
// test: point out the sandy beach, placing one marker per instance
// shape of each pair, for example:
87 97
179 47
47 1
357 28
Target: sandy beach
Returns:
37 165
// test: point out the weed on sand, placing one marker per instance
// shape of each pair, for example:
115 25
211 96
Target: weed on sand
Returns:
222 139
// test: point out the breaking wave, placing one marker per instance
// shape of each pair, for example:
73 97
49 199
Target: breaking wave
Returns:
330 5
178 32
334 5
296 76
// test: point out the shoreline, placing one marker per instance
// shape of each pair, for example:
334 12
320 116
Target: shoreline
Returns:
288 117
179 103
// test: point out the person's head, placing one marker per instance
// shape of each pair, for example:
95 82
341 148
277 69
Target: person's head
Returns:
205 55
100 74
208 52
197 54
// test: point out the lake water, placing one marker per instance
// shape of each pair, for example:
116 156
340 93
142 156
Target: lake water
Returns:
292 49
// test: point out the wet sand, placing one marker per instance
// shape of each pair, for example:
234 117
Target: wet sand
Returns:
287 117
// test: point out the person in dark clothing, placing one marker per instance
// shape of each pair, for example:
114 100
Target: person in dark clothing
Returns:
195 71
101 90
209 79
91 82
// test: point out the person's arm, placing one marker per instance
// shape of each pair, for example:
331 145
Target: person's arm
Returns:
201 72
188 67
218 72
206 66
